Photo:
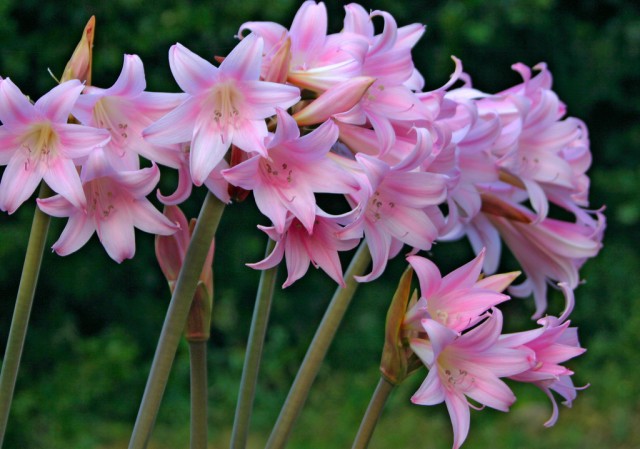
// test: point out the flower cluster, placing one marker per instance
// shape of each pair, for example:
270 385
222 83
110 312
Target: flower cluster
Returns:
456 331
294 112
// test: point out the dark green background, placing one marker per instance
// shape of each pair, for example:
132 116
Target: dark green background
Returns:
95 323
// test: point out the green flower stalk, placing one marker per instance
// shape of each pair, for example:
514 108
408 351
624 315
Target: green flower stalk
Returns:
176 318
317 350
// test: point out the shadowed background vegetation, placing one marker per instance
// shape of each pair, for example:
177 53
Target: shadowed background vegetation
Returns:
95 323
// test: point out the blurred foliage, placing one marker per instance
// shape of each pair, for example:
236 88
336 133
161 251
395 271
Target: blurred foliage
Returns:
95 323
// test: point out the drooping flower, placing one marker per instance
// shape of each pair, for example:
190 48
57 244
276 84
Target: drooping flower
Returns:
37 143
467 365
552 344
116 204
550 250
295 168
225 105
300 247
396 204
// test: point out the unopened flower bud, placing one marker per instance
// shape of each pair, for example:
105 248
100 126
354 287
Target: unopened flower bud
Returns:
398 360
339 98
170 252
79 66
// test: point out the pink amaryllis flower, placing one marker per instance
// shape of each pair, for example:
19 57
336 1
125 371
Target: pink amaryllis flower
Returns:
550 250
300 247
295 168
395 203
225 105
37 143
460 299
467 366
125 109
116 204
553 343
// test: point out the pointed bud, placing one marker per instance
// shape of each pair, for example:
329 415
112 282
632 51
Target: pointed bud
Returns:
79 66
170 252
338 98
398 361
495 206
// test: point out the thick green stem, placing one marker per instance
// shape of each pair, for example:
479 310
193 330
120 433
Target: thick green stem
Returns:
199 394
22 311
317 350
370 419
175 320
253 355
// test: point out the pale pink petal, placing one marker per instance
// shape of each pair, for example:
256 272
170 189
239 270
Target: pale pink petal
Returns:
269 203
148 219
175 127
57 103
9 143
139 183
192 73
497 282
439 335
490 391
182 192
131 80
19 181
63 178
117 235
460 417
76 233
245 175
249 135
244 61
78 141
272 259
428 274
466 275
56 206
262 98
15 107
308 30
287 129
431 392
272 33
379 244
297 259
207 150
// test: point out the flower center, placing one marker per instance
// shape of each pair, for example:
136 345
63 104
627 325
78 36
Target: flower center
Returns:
277 172
40 144
378 206
100 193
226 103
116 124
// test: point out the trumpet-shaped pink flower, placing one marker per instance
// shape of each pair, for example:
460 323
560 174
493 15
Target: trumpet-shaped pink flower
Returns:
460 299
553 343
396 204
124 110
550 250
467 366
225 105
37 143
313 59
300 247
116 204
294 169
